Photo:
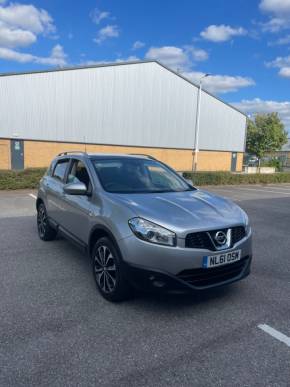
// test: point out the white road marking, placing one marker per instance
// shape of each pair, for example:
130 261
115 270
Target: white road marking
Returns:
286 189
285 185
233 193
265 191
230 191
33 196
276 334
223 192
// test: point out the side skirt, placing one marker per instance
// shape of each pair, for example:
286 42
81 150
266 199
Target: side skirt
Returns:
69 236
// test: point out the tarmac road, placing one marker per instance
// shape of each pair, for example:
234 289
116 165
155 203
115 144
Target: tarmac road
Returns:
56 330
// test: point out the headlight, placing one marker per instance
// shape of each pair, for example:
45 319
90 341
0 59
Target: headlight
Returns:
247 224
151 232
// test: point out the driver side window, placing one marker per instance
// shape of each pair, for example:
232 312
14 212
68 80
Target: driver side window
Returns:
79 174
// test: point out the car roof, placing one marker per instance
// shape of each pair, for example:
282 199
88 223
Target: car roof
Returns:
118 155
80 154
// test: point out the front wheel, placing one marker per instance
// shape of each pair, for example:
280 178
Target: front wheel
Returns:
45 231
109 272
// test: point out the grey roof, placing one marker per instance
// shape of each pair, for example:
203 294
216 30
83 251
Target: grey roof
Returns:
119 64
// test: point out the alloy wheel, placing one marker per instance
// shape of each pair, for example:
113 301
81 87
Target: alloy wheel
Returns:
105 269
41 221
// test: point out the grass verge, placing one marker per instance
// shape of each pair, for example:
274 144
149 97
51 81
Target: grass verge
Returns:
228 178
28 178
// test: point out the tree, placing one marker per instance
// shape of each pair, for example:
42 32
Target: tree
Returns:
265 134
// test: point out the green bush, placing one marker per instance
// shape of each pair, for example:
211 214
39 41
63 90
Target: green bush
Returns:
276 163
223 178
28 178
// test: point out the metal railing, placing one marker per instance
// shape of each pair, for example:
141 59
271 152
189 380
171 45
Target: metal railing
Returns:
86 154
73 152
142 154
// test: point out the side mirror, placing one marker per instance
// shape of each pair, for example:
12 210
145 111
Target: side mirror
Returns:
75 189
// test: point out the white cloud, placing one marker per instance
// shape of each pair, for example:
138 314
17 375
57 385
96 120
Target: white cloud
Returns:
56 58
138 44
182 59
9 54
279 12
27 17
275 25
177 58
220 84
197 54
174 57
97 16
131 58
283 64
20 24
258 105
278 7
281 41
279 62
221 33
110 31
284 72
15 37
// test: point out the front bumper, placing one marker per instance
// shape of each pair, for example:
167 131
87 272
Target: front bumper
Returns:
189 280
170 259
152 266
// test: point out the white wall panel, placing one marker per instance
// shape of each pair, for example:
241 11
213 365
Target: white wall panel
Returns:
135 104
221 127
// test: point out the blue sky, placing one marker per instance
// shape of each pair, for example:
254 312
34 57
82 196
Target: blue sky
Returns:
244 44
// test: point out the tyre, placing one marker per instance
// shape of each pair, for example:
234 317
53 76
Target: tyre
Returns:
109 272
45 231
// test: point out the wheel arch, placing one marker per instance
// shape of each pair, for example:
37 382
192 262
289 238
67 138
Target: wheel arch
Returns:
38 202
98 232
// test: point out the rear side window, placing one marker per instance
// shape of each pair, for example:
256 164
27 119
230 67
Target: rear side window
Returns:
50 168
59 170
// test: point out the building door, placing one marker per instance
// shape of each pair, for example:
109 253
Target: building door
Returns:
234 162
17 154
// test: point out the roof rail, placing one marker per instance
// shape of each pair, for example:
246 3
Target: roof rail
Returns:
143 154
68 152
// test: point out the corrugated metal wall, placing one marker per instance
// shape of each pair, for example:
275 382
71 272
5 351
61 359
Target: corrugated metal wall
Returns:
140 104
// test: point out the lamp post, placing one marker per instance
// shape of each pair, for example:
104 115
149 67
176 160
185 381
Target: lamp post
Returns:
196 139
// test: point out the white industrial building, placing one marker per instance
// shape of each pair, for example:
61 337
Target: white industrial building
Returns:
140 107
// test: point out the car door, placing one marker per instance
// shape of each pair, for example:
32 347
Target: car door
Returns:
54 190
78 208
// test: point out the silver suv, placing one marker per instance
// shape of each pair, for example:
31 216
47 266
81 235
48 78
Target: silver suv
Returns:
142 224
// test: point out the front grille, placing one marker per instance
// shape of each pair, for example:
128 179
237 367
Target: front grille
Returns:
238 233
198 240
212 276
202 240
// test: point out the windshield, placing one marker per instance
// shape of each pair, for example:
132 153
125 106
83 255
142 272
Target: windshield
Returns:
130 175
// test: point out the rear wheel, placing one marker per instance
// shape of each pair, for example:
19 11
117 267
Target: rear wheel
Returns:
109 272
45 231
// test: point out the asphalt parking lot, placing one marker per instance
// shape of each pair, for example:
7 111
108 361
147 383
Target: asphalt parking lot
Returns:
56 330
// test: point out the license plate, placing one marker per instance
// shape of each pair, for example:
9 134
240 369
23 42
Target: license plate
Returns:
221 259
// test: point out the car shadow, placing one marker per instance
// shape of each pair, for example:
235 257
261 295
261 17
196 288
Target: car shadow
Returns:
183 299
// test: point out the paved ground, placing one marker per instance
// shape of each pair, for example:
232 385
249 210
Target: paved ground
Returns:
56 330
